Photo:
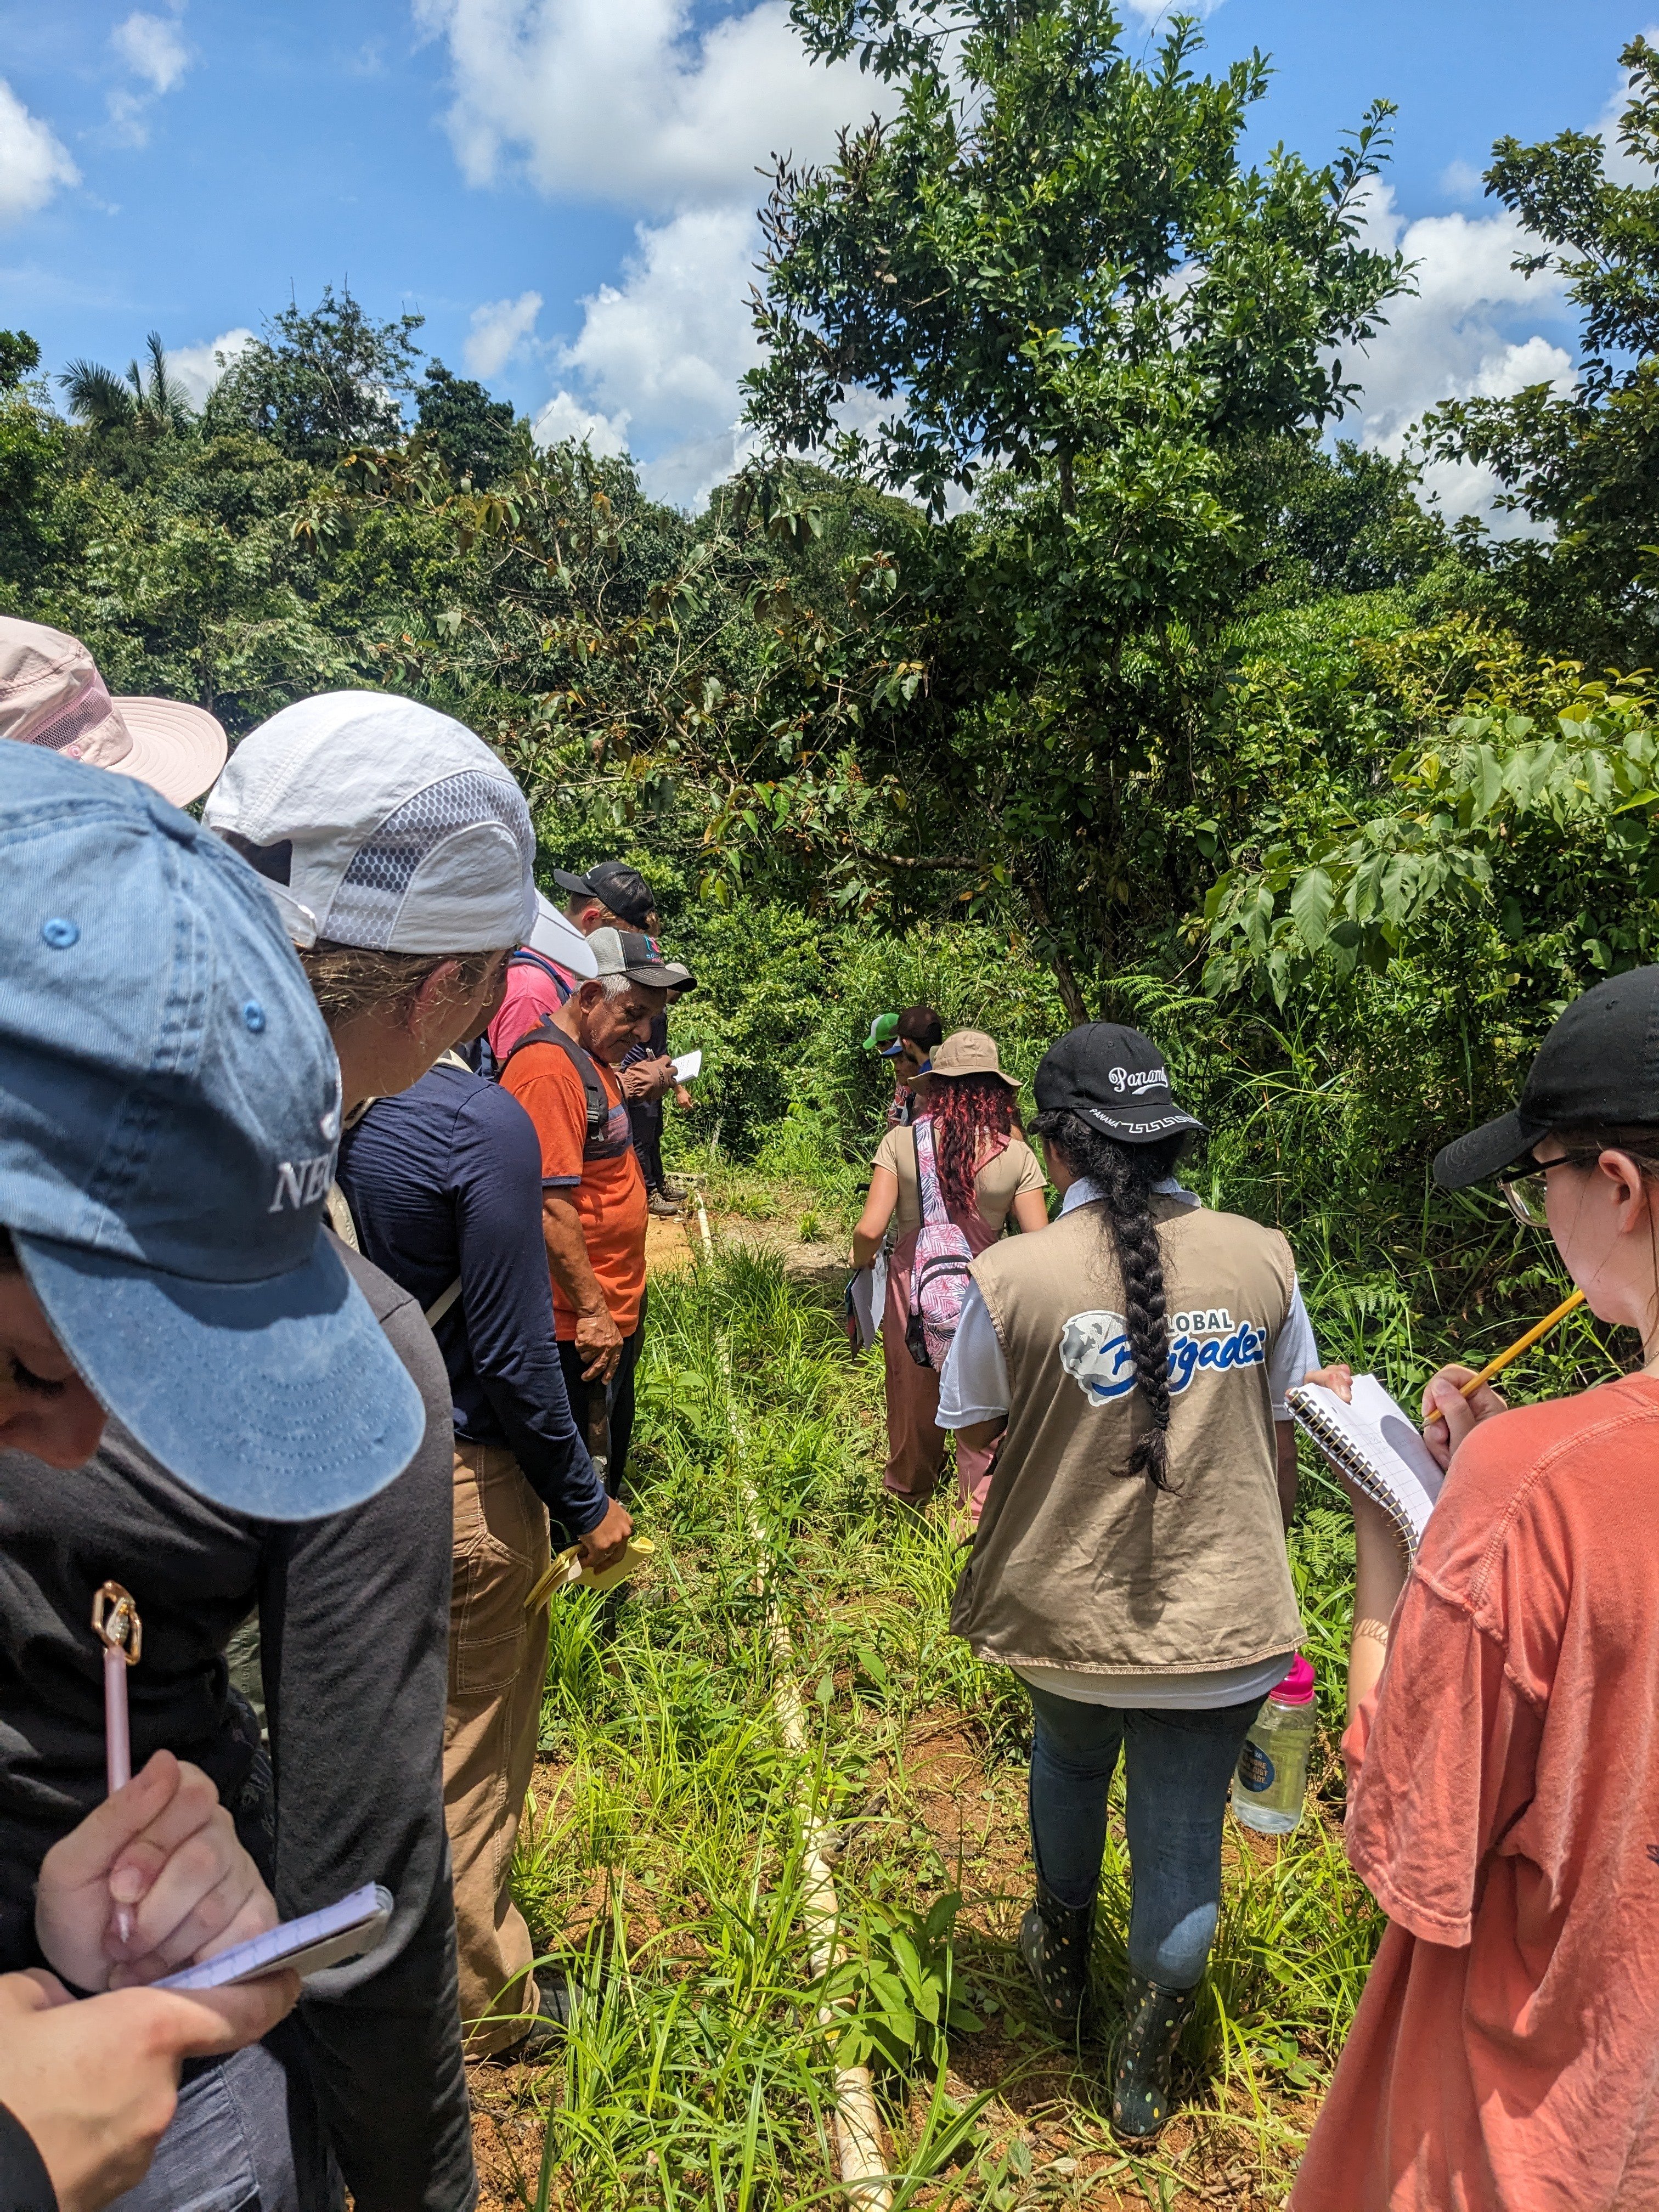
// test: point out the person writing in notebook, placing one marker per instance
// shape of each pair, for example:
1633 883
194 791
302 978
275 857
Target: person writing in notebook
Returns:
389 843
156 1038
1503 1799
1129 1363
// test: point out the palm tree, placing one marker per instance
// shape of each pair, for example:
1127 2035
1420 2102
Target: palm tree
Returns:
96 395
153 403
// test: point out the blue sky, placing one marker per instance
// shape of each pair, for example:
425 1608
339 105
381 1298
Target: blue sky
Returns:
565 188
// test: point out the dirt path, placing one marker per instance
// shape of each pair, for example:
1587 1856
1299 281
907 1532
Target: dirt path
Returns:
671 1244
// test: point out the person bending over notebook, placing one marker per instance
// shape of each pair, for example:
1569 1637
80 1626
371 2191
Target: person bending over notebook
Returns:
155 1038
382 831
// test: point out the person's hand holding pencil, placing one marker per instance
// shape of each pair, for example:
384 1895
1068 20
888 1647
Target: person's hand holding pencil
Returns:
164 1850
1457 1398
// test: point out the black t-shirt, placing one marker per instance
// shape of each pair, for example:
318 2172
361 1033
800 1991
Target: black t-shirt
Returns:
354 1614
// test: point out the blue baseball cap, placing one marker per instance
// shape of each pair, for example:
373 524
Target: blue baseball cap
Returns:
169 1116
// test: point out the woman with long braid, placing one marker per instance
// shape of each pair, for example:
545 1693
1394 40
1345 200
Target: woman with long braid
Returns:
1129 1363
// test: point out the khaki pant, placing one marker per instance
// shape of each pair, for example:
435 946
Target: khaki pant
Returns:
497 1662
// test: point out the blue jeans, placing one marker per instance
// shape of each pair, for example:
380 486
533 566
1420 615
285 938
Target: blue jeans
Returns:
1177 1767
246 2137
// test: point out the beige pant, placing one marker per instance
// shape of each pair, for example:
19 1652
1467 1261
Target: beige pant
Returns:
497 1662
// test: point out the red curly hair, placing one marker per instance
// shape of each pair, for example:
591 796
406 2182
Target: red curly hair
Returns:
966 1110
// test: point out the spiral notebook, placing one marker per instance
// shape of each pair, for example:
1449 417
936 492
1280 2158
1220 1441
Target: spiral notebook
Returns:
1375 1444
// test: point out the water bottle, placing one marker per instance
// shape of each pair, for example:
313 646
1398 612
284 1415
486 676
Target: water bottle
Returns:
1272 1779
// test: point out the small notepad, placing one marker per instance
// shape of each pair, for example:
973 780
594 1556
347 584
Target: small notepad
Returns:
1375 1444
568 1570
688 1065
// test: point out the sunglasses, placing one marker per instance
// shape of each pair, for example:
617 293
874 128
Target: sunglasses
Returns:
1525 1195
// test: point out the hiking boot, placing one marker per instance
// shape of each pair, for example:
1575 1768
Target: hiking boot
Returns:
661 1203
1153 2020
545 2031
1054 1942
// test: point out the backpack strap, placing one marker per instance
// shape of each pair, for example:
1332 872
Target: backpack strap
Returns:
525 957
547 1032
935 1213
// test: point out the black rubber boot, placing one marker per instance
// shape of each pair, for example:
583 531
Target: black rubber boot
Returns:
1153 2020
1054 1942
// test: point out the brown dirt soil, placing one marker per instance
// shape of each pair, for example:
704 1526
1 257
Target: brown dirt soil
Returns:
678 1243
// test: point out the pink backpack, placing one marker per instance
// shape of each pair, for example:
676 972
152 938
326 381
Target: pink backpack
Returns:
939 1275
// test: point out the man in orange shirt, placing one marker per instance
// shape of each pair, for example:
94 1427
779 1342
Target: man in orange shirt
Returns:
594 1196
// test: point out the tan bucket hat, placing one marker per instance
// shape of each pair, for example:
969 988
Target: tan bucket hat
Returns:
969 1051
51 694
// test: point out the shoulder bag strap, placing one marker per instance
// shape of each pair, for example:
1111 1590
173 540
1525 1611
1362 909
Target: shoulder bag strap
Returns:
548 1031
935 1213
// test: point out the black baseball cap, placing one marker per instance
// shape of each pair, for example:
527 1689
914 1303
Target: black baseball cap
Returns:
616 885
1116 1080
1599 1063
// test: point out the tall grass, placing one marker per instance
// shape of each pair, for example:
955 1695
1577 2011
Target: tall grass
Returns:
661 1860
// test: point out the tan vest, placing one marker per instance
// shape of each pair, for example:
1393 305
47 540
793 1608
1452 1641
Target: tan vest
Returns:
1076 1565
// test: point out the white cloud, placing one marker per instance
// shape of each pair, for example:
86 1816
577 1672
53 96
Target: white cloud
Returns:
629 101
199 368
153 49
564 417
666 342
663 351
1453 339
499 329
33 162
1461 180
624 100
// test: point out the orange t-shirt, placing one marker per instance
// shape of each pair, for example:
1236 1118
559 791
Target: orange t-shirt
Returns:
608 1192
1504 1810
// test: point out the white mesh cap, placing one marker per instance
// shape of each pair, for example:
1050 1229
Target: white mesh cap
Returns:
381 823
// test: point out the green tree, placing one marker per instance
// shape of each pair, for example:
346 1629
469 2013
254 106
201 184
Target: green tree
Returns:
1069 294
477 436
1344 521
1051 241
31 449
149 401
1582 464
319 383
20 356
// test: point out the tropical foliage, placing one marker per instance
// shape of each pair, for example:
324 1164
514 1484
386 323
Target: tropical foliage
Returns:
1172 697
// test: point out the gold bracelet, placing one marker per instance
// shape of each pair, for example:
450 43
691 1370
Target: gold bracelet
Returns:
1377 1630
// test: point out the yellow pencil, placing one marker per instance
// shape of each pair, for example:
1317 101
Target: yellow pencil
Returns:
1521 1344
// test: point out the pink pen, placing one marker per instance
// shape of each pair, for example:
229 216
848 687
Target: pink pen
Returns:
116 1625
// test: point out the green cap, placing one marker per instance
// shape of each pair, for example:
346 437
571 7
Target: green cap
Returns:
883 1034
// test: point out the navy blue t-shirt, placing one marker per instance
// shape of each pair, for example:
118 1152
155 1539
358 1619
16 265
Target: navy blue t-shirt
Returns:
444 1180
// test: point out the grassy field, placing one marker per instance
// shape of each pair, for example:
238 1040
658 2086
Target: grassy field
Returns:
662 1860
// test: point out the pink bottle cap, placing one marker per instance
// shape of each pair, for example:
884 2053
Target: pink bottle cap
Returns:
1297 1686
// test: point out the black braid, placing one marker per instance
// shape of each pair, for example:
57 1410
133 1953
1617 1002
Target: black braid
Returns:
1125 1174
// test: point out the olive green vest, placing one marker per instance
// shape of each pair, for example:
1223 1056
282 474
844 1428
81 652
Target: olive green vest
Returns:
1076 1563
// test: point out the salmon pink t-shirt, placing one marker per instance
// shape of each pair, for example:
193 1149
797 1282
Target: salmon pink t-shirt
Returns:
1504 1810
536 987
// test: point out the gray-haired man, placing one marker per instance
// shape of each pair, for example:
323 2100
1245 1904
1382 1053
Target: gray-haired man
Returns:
594 1196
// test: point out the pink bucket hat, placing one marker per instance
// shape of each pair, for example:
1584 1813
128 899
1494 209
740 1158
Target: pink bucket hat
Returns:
51 694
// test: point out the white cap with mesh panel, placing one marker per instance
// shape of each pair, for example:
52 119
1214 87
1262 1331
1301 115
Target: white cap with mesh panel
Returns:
378 821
